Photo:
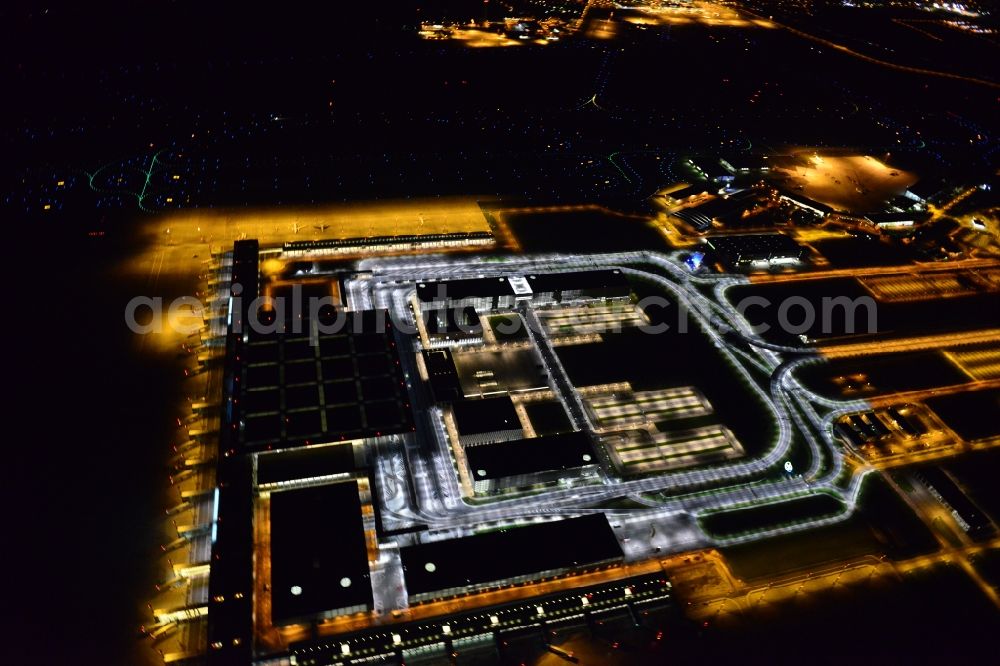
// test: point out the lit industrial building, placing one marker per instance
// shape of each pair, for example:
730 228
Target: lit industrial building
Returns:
745 164
756 250
683 193
800 201
719 211
896 220
489 372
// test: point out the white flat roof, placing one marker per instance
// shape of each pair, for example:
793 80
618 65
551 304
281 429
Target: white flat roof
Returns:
520 285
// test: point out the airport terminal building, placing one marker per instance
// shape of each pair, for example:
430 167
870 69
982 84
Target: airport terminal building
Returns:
486 421
500 293
302 516
523 463
492 560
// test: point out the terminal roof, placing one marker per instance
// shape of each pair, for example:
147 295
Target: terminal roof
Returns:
530 456
509 553
474 417
319 558
304 463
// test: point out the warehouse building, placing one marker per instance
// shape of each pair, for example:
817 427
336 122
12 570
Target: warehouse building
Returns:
745 164
815 207
719 211
756 250
930 191
684 194
896 220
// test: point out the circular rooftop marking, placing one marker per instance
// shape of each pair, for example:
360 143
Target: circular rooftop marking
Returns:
586 457
296 590
430 567
480 472
345 582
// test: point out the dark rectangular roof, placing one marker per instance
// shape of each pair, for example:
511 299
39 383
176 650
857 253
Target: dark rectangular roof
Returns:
507 553
475 417
439 362
459 289
246 274
530 456
442 375
452 320
305 463
607 279
548 417
368 241
319 558
230 581
720 208
291 389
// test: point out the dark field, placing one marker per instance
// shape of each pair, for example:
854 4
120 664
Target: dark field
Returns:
586 231
889 320
977 474
899 531
887 373
860 253
735 523
882 525
931 617
973 415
